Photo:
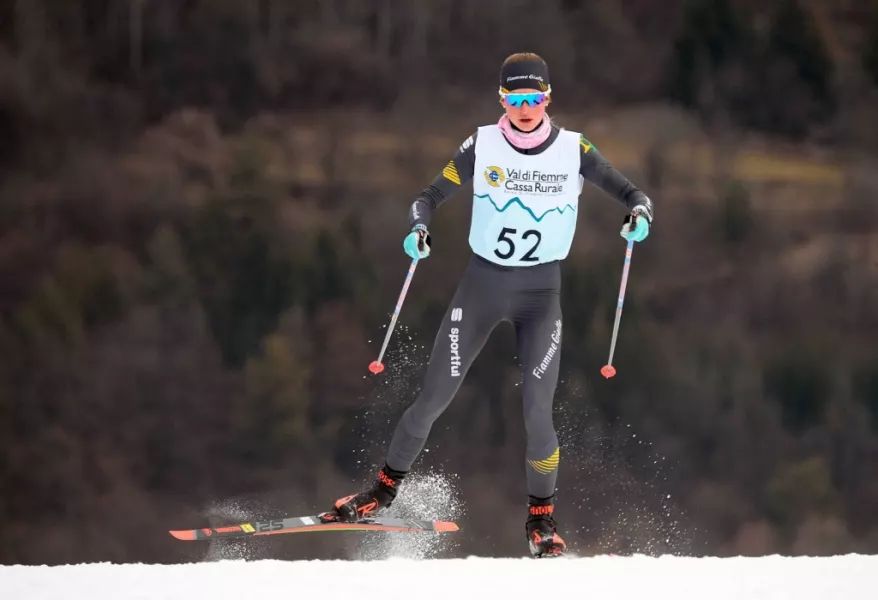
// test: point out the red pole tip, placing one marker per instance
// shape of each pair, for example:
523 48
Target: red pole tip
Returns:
376 367
608 371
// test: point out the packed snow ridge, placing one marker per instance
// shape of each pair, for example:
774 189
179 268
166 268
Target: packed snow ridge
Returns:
849 577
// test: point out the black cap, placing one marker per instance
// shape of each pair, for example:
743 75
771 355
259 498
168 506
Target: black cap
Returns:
530 73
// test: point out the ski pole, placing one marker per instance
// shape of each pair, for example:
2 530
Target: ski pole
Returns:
609 370
377 366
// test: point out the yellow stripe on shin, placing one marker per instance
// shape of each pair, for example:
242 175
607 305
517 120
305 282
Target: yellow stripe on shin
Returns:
547 465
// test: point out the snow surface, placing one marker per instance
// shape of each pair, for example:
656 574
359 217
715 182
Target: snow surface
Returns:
845 577
387 566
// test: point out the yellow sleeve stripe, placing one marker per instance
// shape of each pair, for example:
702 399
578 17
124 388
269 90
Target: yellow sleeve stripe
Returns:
450 173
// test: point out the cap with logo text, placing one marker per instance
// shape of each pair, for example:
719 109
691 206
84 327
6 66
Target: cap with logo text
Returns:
525 74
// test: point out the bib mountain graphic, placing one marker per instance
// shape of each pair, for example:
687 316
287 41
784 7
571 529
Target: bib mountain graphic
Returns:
517 201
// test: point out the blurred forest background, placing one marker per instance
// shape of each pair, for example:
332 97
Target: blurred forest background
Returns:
202 208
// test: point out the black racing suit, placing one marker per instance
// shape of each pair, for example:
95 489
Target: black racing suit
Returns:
488 294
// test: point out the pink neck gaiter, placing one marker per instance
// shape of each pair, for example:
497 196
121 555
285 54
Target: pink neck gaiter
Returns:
523 140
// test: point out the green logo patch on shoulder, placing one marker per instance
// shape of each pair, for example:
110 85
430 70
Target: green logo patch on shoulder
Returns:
586 145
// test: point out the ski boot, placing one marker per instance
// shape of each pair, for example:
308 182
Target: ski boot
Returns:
359 507
542 535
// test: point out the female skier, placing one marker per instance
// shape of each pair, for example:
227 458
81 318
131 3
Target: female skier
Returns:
527 177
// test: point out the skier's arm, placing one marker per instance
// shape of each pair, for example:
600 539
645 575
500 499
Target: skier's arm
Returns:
594 167
457 172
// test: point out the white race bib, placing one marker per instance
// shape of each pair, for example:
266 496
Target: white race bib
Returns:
524 207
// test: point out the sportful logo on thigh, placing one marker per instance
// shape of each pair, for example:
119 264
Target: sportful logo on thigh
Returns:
541 369
454 338
456 314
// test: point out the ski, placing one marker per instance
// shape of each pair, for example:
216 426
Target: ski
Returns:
310 524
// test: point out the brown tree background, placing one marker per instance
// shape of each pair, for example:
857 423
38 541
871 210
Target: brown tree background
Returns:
202 207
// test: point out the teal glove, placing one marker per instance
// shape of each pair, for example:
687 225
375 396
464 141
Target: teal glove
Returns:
636 225
417 242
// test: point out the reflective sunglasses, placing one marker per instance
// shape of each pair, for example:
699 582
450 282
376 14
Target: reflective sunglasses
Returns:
532 98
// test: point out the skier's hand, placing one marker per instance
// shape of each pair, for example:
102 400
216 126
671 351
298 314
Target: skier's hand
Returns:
417 242
636 225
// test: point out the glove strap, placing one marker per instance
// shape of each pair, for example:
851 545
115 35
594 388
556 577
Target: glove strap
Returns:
642 211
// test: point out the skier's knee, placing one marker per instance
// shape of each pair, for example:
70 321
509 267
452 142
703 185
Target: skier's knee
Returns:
538 425
417 422
542 439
